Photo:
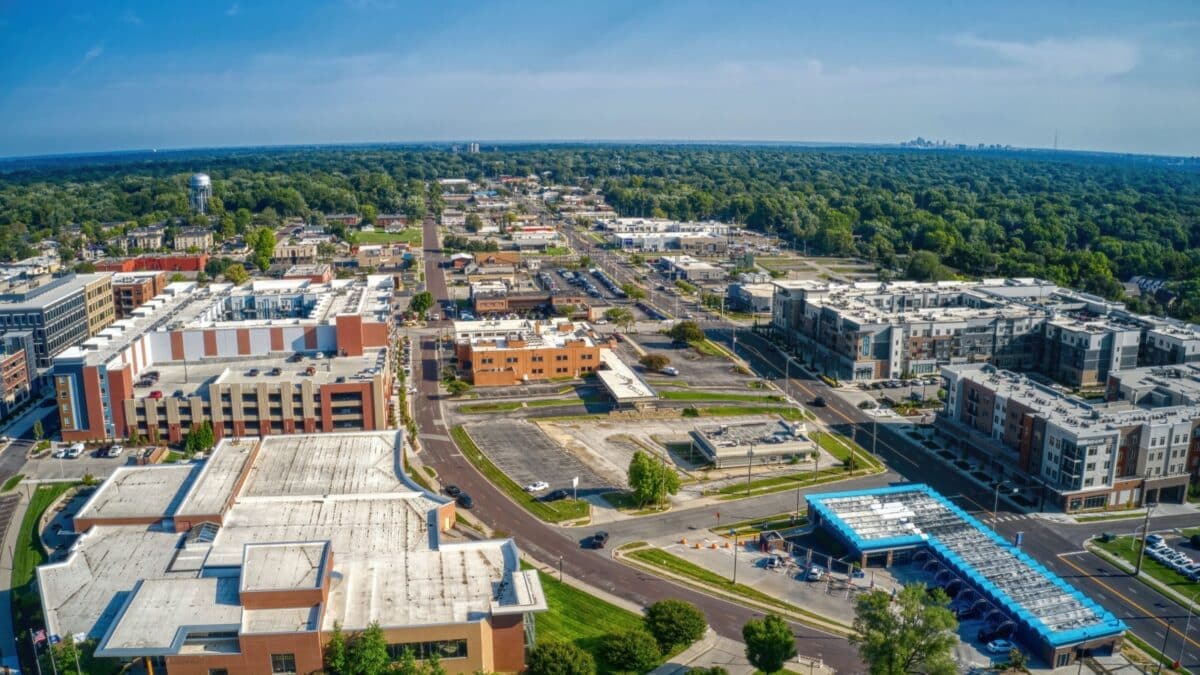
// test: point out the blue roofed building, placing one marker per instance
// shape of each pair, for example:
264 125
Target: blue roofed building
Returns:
1053 619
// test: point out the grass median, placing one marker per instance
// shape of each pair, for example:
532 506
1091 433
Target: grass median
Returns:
551 512
1126 548
719 396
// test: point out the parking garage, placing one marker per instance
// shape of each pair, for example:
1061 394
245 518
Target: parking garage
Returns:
986 575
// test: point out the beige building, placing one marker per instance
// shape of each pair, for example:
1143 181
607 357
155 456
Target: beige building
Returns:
296 252
194 238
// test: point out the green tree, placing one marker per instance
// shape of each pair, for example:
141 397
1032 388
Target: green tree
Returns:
926 266
553 657
585 262
634 291
913 634
711 670
236 274
368 653
262 241
769 643
368 213
177 277
420 303
654 362
458 387
675 623
39 432
651 479
474 222
336 652
199 438
632 651
620 316
686 331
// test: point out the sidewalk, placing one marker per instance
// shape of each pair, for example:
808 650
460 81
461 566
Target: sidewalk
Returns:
714 650
8 646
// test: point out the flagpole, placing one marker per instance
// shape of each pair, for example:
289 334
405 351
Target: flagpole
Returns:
36 660
75 650
50 649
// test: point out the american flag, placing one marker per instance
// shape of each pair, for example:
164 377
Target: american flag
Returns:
39 636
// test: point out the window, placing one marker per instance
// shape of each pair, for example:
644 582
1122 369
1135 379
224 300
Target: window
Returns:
444 649
538 359
218 671
511 359
560 357
283 663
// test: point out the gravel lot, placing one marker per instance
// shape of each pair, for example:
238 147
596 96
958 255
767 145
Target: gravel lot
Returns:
526 454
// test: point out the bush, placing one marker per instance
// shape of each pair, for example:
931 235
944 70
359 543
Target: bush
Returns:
633 651
551 657
686 331
654 362
675 623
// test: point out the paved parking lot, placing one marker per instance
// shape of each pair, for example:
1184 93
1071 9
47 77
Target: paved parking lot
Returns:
696 370
526 454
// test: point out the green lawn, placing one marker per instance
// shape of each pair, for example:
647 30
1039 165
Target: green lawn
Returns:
786 412
789 482
557 251
1108 516
12 482
841 447
692 395
707 348
28 553
507 406
779 522
410 235
1127 549
553 512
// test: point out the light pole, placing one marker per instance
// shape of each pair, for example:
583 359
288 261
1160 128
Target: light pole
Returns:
749 465
1163 651
1186 626
560 574
996 501
1142 545
875 429
733 533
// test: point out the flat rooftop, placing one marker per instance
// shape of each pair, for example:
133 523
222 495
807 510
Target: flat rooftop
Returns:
140 492
141 590
210 491
909 516
194 377
622 382
752 433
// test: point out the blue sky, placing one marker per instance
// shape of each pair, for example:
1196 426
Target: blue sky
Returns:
88 76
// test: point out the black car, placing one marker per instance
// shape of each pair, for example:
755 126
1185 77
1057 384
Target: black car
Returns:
599 539
555 496
276 372
464 500
252 372
453 490
295 358
1001 632
819 402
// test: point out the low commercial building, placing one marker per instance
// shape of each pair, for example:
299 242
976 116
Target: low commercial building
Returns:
753 298
228 355
198 239
381 255
913 523
59 311
623 385
133 289
690 269
752 443
348 219
509 352
661 234
1082 455
297 252
318 274
246 563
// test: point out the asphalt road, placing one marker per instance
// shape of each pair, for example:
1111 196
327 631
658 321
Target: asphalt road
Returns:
549 544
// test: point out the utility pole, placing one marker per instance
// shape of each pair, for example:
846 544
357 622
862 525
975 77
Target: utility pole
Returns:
1142 546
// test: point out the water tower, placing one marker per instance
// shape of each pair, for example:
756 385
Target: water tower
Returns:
199 192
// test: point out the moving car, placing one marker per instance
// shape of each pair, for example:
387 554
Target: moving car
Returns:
599 539
464 500
537 486
453 490
819 402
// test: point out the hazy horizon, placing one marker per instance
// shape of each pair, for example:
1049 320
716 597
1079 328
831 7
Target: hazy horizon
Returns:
1113 78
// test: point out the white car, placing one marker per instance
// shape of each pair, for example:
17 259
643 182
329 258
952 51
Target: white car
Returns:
116 450
670 370
815 573
537 487
999 647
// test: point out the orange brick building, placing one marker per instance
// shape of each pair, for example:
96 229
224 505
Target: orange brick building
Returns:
133 289
505 353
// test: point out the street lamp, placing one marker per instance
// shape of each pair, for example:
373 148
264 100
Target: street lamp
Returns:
1186 626
996 501
1163 651
749 465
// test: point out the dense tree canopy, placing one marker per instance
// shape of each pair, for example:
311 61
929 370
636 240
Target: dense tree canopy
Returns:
1087 220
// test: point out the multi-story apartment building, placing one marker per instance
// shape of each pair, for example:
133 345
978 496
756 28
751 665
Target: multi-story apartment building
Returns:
272 357
297 252
144 238
16 369
509 352
1084 455
193 239
59 311
869 331
133 289
249 563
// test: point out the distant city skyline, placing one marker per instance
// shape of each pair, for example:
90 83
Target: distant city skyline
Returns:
79 77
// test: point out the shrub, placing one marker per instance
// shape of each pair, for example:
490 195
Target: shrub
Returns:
633 651
551 657
675 623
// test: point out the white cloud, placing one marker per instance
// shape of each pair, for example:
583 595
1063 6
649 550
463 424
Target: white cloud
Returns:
1082 57
131 17
93 53
233 10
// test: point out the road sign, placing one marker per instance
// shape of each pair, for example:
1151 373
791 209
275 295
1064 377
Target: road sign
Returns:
1020 539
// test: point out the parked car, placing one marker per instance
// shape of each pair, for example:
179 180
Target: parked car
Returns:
1154 540
599 539
537 486
156 394
116 450
253 372
75 451
670 370
453 490
276 371
464 500
555 496
1001 632
815 573
999 647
